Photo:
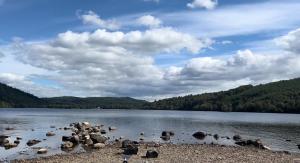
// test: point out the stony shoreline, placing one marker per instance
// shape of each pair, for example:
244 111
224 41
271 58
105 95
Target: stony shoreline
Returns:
171 153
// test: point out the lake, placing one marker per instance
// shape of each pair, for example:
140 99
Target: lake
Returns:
272 129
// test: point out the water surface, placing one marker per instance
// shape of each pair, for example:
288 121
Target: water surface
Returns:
272 129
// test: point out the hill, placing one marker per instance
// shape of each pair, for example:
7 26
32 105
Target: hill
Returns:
95 102
15 98
280 97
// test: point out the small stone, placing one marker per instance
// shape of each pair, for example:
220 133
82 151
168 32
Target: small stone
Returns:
19 138
111 128
151 154
17 141
9 128
33 142
50 134
42 151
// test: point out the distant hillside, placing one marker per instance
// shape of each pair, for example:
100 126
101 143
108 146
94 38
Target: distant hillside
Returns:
281 97
95 102
12 97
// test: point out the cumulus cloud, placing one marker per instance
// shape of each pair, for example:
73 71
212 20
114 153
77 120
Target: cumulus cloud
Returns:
103 63
291 41
91 18
208 4
149 20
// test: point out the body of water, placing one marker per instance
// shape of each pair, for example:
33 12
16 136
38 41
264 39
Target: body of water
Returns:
272 129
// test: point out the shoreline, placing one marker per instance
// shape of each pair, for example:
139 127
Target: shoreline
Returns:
172 153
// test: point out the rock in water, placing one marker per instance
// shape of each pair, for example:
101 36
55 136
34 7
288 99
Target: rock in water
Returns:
111 128
10 145
42 151
236 137
99 145
216 136
131 150
98 138
102 131
32 142
298 146
199 135
17 141
3 139
151 154
50 134
67 145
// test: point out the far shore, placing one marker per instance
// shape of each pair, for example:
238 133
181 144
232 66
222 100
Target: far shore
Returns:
170 153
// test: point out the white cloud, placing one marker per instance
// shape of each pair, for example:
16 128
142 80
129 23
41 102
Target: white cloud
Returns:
157 1
92 18
208 4
149 20
291 41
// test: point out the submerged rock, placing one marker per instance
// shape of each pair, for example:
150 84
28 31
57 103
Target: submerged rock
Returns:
199 135
151 154
32 142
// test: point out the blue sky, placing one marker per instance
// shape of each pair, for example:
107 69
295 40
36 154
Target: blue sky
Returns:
146 49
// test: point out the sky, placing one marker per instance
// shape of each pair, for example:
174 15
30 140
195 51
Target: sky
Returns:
146 49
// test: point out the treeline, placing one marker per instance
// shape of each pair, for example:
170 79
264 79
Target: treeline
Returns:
279 97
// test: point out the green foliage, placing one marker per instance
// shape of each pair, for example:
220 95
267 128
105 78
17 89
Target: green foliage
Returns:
279 97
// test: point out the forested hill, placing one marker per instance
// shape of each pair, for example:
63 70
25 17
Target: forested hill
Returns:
12 97
282 96
95 102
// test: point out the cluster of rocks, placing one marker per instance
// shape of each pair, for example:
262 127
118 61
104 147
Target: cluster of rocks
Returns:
86 134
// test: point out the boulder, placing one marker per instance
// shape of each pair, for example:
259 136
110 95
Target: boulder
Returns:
199 135
32 142
151 154
236 137
131 150
67 145
99 145
50 133
42 151
98 138
74 139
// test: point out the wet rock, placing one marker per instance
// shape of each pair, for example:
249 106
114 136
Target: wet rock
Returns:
42 151
131 150
151 154
236 137
67 145
199 135
10 145
98 138
142 133
50 133
74 139
17 141
111 128
19 138
86 125
99 145
67 128
95 129
216 136
127 143
288 140
32 142
166 135
52 126
298 146
103 131
255 143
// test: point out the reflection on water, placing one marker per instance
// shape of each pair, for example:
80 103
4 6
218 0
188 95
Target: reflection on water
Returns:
272 129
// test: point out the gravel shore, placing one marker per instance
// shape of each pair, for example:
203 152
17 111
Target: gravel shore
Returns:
170 153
